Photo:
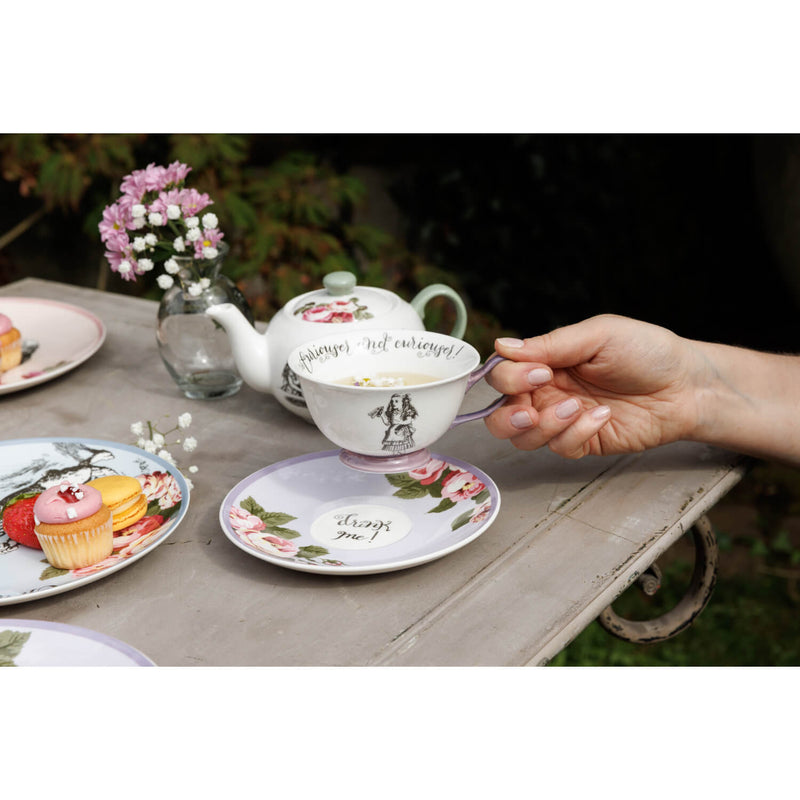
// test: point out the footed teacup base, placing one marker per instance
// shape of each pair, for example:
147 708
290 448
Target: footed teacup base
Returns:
385 464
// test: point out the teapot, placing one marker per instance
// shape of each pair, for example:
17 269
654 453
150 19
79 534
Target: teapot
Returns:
261 358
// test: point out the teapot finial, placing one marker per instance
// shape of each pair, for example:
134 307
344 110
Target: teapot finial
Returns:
339 283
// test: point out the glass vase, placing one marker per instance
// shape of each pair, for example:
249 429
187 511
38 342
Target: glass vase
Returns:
195 348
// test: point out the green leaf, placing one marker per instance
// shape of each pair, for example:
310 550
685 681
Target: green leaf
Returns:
481 497
52 572
285 533
462 520
311 551
400 479
412 492
272 519
445 505
275 518
11 644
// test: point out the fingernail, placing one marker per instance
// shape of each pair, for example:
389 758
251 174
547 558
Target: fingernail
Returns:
538 376
521 419
601 413
567 409
509 342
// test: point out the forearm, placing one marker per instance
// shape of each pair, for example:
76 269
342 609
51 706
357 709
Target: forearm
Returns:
749 402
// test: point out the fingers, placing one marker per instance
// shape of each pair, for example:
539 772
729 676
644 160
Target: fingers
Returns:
566 427
512 378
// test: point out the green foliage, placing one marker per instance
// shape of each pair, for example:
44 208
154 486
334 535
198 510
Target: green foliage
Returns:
289 218
749 622
751 619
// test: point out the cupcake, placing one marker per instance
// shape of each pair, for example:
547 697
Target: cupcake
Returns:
124 497
73 525
10 344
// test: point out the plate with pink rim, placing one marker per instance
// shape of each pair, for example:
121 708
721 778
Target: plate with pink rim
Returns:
37 643
314 514
27 466
56 338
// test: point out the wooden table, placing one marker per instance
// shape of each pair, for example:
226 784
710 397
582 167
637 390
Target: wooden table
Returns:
570 537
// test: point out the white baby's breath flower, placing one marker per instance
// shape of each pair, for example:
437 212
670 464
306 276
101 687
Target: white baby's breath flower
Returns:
158 442
151 240
179 245
188 483
193 234
195 289
155 218
173 212
204 283
124 267
166 455
210 221
192 222
165 282
171 266
139 244
145 264
209 252
138 211
138 222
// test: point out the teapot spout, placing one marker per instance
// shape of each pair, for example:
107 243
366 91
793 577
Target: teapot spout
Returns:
250 348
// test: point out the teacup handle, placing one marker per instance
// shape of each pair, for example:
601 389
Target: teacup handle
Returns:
436 290
474 377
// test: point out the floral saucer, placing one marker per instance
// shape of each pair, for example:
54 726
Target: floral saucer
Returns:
56 338
36 643
314 514
29 465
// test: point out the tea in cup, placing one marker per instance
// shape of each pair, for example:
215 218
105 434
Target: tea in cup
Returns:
384 396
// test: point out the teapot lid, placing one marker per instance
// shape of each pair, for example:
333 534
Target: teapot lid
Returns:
342 301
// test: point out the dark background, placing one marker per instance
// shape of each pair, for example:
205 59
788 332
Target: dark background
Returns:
690 231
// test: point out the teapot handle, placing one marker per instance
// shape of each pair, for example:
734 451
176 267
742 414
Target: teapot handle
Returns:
440 290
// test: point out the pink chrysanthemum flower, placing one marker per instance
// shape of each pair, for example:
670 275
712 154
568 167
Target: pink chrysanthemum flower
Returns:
210 238
115 221
176 173
193 202
155 220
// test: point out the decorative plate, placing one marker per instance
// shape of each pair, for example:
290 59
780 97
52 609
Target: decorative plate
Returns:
35 643
56 337
30 465
314 514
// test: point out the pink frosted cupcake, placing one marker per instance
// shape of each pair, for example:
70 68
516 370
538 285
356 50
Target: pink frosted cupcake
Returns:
10 344
73 525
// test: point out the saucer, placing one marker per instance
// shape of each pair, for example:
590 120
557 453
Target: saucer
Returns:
314 514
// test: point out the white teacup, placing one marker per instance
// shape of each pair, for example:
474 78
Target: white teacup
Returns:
362 392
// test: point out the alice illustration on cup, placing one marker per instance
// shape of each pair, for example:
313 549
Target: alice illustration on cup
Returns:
397 416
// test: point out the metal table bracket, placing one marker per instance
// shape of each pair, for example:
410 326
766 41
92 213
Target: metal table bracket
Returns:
704 577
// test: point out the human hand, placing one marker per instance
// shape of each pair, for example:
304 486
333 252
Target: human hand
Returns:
603 386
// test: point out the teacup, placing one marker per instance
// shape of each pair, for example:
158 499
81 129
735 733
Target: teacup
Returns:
384 396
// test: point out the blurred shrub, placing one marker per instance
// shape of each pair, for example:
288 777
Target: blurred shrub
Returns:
288 218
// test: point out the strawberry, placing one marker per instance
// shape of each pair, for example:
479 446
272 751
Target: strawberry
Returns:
18 522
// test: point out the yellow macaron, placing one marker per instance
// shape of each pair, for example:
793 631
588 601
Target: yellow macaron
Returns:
124 497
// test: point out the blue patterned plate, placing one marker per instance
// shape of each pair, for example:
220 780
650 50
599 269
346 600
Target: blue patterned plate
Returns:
30 465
